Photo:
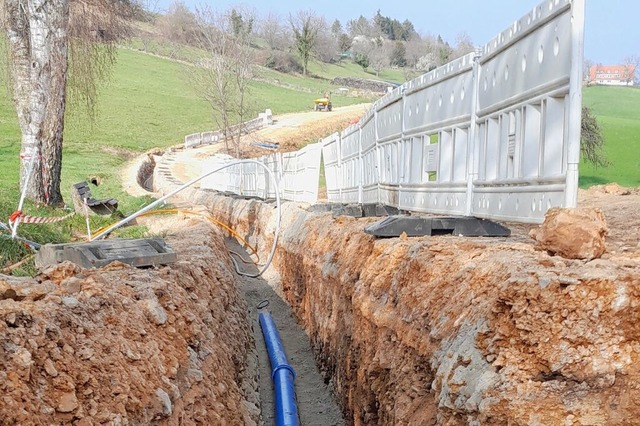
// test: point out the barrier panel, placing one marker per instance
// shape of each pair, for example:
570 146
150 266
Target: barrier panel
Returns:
493 134
526 136
207 138
297 173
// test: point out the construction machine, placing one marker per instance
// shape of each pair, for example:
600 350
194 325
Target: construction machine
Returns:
324 103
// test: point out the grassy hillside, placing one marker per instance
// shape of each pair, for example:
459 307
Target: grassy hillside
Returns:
148 103
618 112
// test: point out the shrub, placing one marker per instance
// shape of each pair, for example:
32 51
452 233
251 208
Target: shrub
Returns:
592 146
283 62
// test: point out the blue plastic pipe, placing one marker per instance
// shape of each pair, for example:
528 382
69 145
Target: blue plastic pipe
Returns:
282 374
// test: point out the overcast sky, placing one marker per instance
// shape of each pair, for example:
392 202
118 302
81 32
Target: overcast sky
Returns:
612 28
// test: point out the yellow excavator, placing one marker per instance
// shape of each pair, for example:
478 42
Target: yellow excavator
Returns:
324 103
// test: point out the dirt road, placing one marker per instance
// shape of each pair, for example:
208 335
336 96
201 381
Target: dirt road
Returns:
289 131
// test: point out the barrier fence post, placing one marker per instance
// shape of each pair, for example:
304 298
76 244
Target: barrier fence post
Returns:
575 102
472 150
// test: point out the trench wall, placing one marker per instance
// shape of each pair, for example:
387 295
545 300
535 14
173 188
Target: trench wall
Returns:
126 346
448 330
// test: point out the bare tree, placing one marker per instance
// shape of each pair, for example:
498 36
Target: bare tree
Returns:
360 27
274 33
223 78
178 24
327 44
416 48
464 45
380 56
373 52
632 69
305 26
586 69
51 43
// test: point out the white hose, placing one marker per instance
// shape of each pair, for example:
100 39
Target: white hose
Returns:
191 182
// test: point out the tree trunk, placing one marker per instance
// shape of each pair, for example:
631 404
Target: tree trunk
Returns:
37 33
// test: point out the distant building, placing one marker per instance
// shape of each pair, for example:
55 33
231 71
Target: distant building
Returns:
612 75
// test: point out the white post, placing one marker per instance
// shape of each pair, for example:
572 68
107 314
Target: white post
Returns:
360 163
473 146
575 102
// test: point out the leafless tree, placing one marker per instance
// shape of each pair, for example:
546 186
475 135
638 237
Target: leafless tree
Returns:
360 27
464 45
379 57
52 43
416 48
586 69
178 24
223 78
376 50
274 33
632 69
327 45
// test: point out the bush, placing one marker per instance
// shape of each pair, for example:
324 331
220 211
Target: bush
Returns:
592 142
362 60
283 62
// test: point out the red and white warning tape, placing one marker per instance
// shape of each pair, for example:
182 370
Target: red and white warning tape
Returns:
17 215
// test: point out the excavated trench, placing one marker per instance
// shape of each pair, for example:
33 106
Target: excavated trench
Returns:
450 330
404 331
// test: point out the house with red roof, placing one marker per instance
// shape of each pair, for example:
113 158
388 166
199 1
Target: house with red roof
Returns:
612 75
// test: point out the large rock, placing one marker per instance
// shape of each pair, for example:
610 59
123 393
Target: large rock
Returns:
572 233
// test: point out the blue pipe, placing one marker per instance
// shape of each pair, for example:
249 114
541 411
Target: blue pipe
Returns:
282 374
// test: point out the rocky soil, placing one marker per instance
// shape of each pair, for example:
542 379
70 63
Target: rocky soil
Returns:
126 346
450 330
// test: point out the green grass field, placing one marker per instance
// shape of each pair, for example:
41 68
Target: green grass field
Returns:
618 112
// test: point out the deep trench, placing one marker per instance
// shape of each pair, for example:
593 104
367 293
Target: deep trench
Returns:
432 330
317 404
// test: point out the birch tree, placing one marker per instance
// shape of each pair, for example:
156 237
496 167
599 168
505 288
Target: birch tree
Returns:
51 43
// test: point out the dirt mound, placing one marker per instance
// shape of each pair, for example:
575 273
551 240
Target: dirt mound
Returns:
375 86
123 345
296 130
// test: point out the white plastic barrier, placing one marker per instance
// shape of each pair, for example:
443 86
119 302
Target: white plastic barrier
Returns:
226 180
493 135
528 135
298 174
264 119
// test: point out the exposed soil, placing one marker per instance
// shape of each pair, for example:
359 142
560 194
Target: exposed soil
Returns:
128 346
449 330
406 331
